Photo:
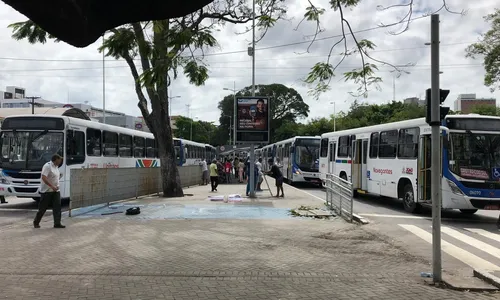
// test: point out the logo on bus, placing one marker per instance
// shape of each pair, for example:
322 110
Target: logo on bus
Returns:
475 193
382 171
408 171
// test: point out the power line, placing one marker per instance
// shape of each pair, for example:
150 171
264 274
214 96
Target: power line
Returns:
233 52
411 69
239 67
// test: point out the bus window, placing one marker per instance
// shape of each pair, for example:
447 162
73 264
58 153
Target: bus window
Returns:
139 146
110 142
374 145
343 146
388 144
93 142
408 143
126 145
150 148
75 147
324 148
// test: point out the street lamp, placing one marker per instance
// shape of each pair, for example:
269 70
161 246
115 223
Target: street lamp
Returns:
230 126
234 112
334 116
191 131
170 104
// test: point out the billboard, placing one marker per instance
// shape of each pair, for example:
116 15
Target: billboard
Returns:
252 119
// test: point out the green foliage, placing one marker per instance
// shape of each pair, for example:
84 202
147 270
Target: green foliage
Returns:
489 49
203 132
365 76
486 110
359 115
287 106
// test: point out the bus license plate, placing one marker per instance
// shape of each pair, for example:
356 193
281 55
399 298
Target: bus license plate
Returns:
492 207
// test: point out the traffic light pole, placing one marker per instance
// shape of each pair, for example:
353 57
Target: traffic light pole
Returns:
436 151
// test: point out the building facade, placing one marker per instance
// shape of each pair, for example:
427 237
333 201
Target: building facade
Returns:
465 103
414 100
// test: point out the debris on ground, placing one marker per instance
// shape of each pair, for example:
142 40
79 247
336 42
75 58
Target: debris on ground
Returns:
313 212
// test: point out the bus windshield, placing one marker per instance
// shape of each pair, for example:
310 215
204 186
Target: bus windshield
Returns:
307 154
475 155
29 150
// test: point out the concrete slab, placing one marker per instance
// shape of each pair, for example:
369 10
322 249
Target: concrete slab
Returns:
470 283
322 213
489 277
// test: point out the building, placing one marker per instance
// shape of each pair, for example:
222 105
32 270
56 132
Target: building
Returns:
465 103
414 100
14 99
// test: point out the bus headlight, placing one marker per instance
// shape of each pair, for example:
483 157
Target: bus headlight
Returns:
454 188
3 178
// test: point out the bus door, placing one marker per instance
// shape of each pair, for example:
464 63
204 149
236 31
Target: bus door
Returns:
332 147
356 166
424 168
364 168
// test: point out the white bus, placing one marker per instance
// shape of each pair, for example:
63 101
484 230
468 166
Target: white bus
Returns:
29 141
298 158
394 160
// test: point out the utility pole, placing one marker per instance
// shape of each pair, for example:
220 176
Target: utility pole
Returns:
33 103
252 146
334 116
234 113
436 151
103 83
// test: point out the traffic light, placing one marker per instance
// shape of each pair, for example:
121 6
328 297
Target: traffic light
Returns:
443 110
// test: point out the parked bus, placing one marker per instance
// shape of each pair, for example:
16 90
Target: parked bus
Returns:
298 158
29 141
394 160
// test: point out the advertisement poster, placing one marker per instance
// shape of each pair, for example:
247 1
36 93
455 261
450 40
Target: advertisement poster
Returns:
252 114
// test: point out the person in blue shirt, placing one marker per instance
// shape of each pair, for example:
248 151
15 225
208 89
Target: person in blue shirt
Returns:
256 176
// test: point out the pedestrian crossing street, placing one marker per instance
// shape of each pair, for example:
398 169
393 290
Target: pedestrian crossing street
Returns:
478 248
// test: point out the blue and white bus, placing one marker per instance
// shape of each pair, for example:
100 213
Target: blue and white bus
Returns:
394 160
29 141
298 158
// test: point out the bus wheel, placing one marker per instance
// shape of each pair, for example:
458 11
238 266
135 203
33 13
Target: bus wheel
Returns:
409 200
468 211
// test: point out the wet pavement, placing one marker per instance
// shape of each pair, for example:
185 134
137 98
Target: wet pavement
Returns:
161 211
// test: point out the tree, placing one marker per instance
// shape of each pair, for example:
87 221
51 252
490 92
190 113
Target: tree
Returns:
287 105
489 49
162 48
486 110
365 75
202 132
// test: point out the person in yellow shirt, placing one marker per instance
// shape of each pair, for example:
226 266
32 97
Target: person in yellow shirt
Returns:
214 175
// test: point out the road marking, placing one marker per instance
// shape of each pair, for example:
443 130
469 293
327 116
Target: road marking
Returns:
485 233
494 251
458 253
393 216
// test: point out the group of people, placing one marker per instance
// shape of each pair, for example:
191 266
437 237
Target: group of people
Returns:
218 172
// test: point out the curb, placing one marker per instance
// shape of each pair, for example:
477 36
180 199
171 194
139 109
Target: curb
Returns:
360 219
488 277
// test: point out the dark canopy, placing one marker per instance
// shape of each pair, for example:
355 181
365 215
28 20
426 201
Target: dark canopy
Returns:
82 22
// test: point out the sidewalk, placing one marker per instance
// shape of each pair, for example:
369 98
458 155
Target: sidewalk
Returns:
147 257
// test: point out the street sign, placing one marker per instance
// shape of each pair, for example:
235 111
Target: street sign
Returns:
252 120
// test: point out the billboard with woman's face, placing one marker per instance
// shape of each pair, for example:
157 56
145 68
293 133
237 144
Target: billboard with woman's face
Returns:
252 119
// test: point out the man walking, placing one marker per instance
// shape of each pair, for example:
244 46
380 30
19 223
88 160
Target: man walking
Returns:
49 192
258 165
214 175
2 200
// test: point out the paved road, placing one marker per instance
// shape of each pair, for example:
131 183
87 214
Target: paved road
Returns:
468 242
19 209
157 256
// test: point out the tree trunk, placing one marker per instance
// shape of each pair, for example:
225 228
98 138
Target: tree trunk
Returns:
162 131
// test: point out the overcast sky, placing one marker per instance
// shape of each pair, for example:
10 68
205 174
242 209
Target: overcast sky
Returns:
60 72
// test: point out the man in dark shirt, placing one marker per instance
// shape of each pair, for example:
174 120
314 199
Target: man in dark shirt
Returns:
278 176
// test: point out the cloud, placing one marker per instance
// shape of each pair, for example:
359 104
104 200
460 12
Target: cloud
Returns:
76 74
